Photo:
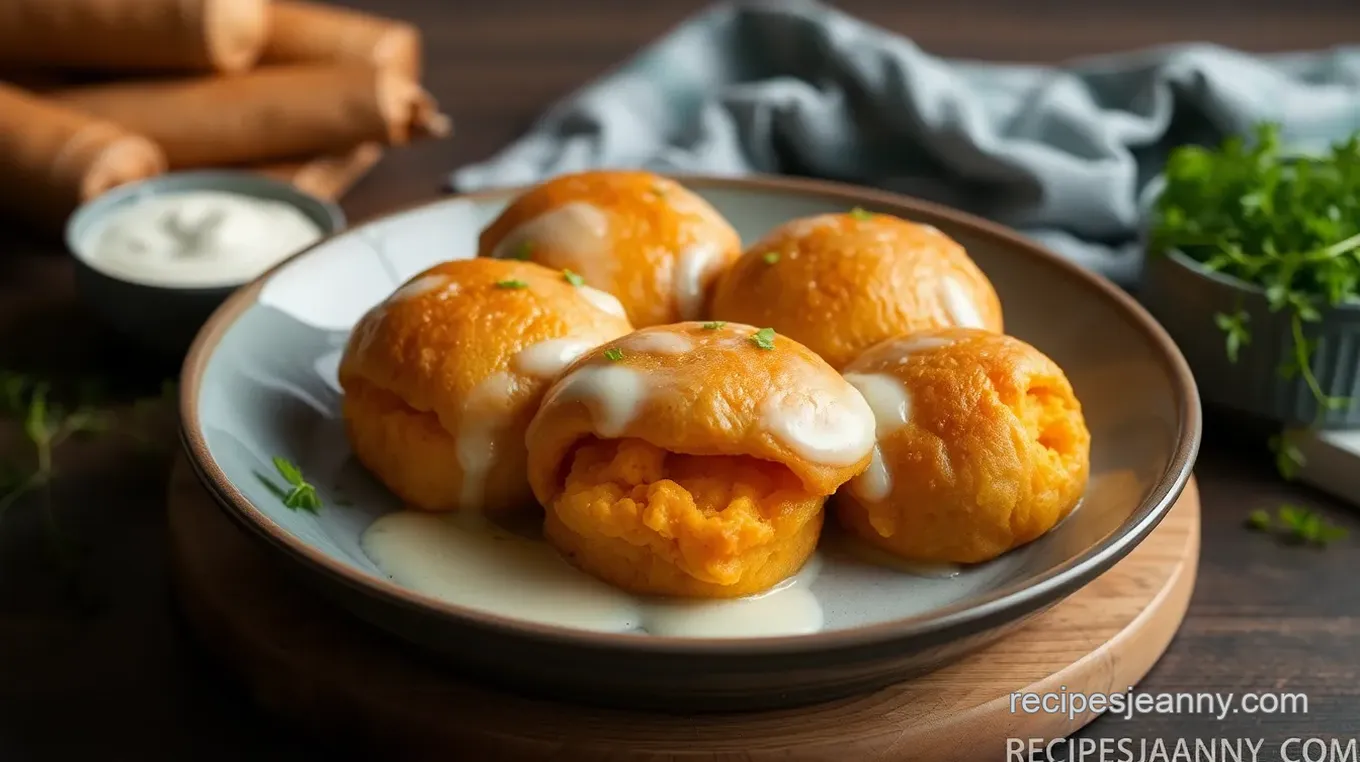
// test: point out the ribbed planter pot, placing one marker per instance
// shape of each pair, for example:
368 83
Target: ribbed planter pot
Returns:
1185 297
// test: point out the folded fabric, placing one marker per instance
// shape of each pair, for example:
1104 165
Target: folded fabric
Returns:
798 88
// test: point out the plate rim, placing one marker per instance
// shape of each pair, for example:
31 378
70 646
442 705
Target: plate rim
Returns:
1004 604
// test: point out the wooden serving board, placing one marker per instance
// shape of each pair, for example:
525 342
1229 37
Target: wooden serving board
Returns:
316 667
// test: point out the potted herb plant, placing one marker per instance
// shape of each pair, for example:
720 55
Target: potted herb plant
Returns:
1253 268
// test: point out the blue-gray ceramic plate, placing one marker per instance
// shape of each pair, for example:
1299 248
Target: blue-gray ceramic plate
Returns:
260 382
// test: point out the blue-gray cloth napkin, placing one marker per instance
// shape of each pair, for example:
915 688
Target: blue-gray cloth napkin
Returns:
795 87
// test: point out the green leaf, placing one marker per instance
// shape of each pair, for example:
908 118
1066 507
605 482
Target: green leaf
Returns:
37 425
301 496
764 338
13 389
613 354
1235 331
573 278
1288 457
87 420
1259 519
1292 517
770 257
714 325
290 473
861 214
523 250
512 284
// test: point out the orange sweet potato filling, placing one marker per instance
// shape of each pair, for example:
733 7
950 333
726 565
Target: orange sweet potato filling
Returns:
1050 419
716 518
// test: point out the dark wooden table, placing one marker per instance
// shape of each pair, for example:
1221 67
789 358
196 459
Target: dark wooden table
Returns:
93 663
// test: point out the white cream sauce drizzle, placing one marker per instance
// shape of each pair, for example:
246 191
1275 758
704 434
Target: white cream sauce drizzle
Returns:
905 346
422 285
820 425
612 394
692 268
959 304
657 342
875 484
888 399
546 359
603 301
486 412
574 235
891 403
489 569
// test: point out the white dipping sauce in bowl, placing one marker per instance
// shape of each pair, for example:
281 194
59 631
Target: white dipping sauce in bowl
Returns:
155 258
198 238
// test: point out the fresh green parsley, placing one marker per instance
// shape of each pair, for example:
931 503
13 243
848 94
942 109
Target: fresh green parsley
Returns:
860 214
714 325
1298 525
573 278
1235 331
1288 224
511 284
1259 520
300 495
47 417
764 338
1288 457
613 354
770 257
523 250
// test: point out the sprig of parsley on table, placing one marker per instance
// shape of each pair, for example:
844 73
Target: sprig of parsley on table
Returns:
47 416
1287 224
1298 525
46 425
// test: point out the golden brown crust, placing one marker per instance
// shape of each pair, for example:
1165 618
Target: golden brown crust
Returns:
840 283
444 356
691 389
644 238
994 451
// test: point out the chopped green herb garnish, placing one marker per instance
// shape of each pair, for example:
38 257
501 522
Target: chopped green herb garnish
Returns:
1297 525
861 214
714 325
770 257
613 354
512 284
573 278
1305 526
764 338
301 496
1288 457
45 416
1259 519
523 250
1235 331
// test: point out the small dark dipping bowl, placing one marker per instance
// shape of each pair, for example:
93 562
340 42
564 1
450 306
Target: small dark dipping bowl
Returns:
165 318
